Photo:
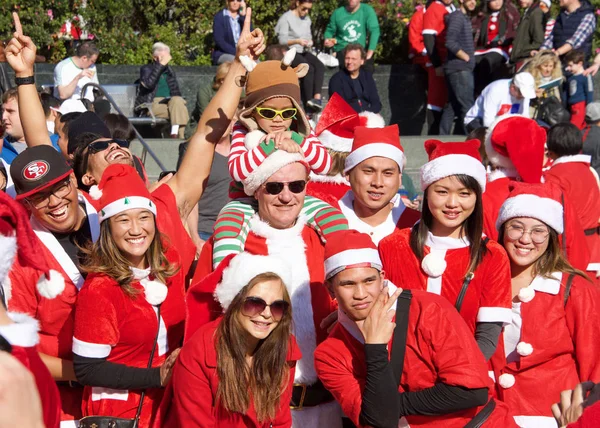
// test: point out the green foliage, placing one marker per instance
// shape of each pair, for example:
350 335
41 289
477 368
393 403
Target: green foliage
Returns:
126 29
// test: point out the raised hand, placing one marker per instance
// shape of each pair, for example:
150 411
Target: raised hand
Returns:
250 43
20 51
378 327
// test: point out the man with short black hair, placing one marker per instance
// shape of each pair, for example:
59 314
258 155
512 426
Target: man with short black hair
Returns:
357 87
73 73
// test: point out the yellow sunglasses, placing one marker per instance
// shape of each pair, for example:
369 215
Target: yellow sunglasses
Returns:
271 113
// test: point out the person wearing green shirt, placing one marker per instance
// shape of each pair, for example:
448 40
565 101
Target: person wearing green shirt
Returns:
352 24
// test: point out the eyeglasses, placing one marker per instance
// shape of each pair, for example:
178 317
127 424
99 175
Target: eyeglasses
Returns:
255 305
42 199
98 146
276 187
538 234
271 113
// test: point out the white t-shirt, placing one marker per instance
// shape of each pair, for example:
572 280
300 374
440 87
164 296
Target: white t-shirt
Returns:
494 101
64 73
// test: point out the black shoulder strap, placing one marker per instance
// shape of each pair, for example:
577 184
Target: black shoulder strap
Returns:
399 344
466 282
568 289
564 234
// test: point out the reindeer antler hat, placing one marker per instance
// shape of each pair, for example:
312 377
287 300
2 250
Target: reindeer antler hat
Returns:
271 79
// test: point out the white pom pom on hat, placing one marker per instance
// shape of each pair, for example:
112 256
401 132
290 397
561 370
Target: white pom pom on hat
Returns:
95 192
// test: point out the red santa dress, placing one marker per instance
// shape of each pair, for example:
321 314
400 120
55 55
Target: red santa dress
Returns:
110 324
488 295
23 337
573 175
439 348
548 347
195 383
54 313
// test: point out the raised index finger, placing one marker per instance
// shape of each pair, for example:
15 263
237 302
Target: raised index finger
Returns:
18 27
247 21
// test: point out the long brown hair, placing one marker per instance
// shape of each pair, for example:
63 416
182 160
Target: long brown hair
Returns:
104 256
338 162
472 227
268 375
553 259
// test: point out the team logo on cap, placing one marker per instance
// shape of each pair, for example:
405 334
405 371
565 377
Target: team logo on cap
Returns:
35 170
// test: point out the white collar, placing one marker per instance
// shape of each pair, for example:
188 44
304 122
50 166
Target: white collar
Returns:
499 173
264 230
446 242
351 326
140 273
574 158
346 204
547 285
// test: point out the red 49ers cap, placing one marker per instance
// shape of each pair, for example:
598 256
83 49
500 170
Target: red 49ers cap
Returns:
36 169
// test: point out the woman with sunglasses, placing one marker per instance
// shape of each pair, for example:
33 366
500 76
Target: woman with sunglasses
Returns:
238 370
551 342
294 30
271 126
445 253
130 311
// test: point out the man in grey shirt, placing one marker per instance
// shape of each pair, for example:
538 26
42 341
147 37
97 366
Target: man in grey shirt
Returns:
294 31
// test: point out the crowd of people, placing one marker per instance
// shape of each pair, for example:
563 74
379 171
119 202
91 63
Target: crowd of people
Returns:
317 293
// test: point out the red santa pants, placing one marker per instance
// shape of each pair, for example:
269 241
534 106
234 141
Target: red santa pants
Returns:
578 114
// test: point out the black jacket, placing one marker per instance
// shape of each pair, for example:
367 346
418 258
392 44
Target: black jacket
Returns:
149 76
530 33
341 82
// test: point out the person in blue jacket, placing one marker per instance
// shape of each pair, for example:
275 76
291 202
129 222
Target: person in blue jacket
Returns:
227 26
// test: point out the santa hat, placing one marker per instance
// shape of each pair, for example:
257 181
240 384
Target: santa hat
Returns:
336 125
539 201
17 239
371 120
271 79
446 159
120 189
347 249
516 143
371 142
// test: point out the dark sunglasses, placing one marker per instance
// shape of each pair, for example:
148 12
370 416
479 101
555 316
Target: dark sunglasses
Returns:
255 305
276 187
98 146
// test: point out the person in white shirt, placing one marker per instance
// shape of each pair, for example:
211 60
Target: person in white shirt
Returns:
499 98
73 73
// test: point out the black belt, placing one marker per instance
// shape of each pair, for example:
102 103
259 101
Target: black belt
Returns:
592 231
309 395
69 383
483 415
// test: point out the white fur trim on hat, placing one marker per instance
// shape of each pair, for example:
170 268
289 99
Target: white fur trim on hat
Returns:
273 163
335 142
495 158
124 204
367 151
51 287
525 205
242 269
374 120
8 251
155 291
351 257
434 265
448 165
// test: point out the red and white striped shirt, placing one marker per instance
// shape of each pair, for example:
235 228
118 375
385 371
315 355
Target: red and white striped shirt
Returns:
242 162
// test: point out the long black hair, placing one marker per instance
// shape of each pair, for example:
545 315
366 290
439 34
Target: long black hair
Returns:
472 227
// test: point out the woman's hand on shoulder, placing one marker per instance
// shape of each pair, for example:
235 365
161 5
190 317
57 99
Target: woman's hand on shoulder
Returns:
166 370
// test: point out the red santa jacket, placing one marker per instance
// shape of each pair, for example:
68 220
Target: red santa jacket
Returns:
434 22
589 419
416 46
574 177
195 383
555 348
110 324
488 295
497 192
439 348
23 337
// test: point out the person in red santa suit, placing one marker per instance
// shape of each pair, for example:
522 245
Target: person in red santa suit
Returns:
571 171
374 169
335 130
279 186
130 310
63 220
444 380
514 146
19 332
238 370
444 253
551 342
